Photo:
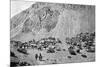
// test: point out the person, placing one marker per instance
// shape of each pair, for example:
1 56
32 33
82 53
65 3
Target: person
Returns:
40 57
36 56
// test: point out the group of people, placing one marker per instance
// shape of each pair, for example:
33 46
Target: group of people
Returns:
39 57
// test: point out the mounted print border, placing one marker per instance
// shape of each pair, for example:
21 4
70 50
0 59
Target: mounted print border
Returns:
43 33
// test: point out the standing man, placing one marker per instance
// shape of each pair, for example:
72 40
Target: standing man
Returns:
36 56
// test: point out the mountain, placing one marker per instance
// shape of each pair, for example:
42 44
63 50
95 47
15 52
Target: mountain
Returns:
53 19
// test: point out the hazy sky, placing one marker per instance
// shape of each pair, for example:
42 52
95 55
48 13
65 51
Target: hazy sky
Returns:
17 6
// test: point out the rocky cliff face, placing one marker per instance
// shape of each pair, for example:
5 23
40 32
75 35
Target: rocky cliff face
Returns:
53 20
34 19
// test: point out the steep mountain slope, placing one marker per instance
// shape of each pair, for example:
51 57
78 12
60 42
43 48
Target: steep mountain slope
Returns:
33 19
58 20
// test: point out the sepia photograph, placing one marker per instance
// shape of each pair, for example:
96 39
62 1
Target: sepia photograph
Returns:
45 33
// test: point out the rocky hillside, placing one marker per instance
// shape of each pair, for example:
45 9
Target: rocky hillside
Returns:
53 20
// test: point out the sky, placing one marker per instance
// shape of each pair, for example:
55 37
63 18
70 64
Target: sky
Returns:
17 6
